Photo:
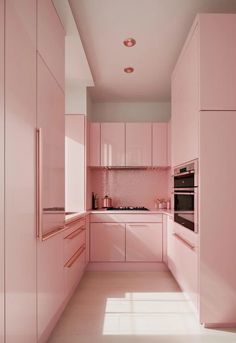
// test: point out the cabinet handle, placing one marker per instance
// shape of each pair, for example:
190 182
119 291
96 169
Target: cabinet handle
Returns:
39 233
184 241
75 257
75 233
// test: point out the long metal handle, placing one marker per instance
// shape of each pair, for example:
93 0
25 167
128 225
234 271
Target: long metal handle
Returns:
184 241
75 257
184 193
39 233
75 233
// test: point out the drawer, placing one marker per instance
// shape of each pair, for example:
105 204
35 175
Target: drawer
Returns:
74 269
74 225
73 241
125 218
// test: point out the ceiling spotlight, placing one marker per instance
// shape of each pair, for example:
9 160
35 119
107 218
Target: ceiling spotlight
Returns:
128 70
129 42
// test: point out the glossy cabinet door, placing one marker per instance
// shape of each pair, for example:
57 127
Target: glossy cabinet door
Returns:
51 39
50 283
113 144
20 116
107 242
160 144
138 144
51 121
185 103
2 146
74 163
144 242
94 144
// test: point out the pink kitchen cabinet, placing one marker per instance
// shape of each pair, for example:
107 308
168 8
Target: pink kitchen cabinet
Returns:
217 61
144 242
51 39
20 123
138 144
217 227
160 144
94 144
2 141
113 144
185 102
107 242
50 284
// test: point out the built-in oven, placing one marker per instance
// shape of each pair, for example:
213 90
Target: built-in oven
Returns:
185 195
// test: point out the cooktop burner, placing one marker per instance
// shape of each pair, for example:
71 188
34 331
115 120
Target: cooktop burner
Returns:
127 208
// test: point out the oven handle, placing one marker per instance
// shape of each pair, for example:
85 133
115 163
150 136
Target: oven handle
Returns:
184 193
185 173
176 189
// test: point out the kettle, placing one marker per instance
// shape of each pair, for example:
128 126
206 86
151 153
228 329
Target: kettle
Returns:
106 202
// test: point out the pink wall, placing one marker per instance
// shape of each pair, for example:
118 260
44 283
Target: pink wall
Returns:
130 187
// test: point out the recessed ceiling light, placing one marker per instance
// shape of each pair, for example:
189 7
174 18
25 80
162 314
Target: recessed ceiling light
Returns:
128 70
129 42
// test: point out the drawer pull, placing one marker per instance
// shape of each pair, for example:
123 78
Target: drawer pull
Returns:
75 257
75 233
184 241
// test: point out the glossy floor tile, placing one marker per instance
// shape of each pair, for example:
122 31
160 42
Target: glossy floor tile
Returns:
128 307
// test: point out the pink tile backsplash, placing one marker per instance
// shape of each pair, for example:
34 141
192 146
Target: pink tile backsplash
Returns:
131 187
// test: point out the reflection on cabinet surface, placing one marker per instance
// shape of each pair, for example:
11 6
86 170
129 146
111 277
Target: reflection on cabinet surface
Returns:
138 144
144 242
107 242
112 144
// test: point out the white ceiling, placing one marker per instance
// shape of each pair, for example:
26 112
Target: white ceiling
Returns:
159 27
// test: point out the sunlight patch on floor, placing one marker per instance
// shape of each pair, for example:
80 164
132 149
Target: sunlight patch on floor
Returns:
147 313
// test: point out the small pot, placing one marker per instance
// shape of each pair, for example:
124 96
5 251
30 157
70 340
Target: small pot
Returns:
106 202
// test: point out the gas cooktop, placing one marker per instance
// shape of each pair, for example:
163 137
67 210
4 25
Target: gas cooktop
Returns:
127 208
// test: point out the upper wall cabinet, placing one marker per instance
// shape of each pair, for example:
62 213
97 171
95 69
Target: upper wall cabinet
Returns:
94 144
138 144
51 40
159 144
113 144
185 103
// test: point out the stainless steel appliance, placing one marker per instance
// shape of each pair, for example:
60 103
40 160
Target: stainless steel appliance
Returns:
185 195
106 202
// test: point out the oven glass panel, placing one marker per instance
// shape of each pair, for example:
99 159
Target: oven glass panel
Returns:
184 202
184 181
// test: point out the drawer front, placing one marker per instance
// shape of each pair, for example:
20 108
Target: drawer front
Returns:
107 242
144 242
73 241
125 218
74 225
74 270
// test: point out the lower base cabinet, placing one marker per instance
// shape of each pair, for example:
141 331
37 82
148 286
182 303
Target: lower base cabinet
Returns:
183 262
50 283
144 242
107 242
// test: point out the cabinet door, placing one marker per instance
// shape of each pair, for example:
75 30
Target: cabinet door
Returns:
107 242
159 144
51 39
144 242
75 163
94 144
113 144
185 103
20 123
51 121
2 141
138 144
50 283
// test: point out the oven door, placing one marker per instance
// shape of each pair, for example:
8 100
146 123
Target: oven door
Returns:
185 208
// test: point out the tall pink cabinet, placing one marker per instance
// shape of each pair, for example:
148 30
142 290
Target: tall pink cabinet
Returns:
2 123
203 127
